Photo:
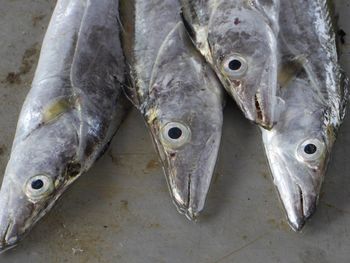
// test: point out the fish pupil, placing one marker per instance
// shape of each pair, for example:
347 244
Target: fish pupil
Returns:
37 184
310 148
175 133
234 64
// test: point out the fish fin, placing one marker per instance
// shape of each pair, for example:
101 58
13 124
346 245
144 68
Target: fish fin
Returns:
130 93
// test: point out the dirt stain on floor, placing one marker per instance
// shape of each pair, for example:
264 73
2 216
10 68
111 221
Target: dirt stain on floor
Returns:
28 59
152 164
113 158
265 175
279 224
2 149
328 205
124 205
37 18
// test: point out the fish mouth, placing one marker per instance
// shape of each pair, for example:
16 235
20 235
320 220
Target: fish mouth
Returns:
16 224
302 211
8 238
188 185
298 192
182 200
259 111
298 199
262 117
179 186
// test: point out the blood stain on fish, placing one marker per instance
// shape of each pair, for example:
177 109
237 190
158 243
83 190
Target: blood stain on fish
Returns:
237 21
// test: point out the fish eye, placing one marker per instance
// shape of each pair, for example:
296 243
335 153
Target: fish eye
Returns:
175 134
37 184
310 150
38 187
235 66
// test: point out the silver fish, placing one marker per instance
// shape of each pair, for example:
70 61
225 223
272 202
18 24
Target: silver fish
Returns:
239 39
178 95
315 92
69 116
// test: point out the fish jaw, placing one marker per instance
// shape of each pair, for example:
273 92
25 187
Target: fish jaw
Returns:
188 170
298 205
297 183
258 105
15 209
19 214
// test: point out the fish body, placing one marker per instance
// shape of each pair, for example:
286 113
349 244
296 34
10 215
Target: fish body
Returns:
314 90
239 39
69 116
178 95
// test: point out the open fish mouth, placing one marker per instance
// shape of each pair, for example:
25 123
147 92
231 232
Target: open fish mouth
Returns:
263 117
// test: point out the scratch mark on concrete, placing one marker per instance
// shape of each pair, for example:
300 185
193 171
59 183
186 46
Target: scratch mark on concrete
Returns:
241 248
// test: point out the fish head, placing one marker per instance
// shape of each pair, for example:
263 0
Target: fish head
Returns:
243 51
298 150
39 170
186 130
185 119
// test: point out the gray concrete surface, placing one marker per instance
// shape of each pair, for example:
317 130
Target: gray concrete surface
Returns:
121 211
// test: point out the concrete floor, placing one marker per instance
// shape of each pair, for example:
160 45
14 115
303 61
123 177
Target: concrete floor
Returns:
121 211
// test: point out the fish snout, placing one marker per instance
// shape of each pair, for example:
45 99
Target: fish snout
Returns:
15 210
189 190
297 186
8 234
300 209
258 107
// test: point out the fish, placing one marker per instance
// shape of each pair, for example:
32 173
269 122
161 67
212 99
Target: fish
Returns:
69 116
315 91
178 95
239 39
